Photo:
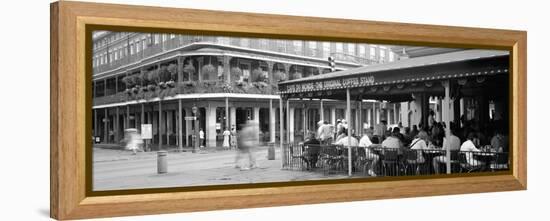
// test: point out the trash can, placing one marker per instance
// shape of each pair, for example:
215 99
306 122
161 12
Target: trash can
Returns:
162 162
271 151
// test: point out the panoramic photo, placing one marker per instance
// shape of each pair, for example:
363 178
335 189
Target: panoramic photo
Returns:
176 110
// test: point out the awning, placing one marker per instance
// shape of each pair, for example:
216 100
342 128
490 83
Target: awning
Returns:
404 76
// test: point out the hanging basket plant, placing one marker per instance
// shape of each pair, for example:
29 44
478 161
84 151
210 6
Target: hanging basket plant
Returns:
190 70
279 76
209 72
257 75
236 73
173 70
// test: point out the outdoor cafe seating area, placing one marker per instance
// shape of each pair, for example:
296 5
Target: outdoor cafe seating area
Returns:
333 159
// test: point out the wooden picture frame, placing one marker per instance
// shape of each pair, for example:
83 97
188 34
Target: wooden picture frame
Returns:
69 117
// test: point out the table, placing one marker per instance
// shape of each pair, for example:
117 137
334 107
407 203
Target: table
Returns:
486 158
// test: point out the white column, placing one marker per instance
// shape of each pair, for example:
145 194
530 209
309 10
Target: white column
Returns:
447 117
169 119
388 114
188 125
210 127
281 131
333 115
395 119
374 113
461 110
360 119
227 124
233 117
180 127
377 114
348 117
271 122
256 120
369 117
291 124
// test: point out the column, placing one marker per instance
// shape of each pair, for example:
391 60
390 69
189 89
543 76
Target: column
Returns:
169 119
395 119
256 120
281 131
438 109
117 126
321 110
159 123
348 117
127 125
106 126
271 122
233 117
374 114
96 126
461 110
447 117
199 68
180 70
291 124
388 114
360 120
270 74
288 121
180 126
227 124
188 127
210 127
227 68
377 114
333 115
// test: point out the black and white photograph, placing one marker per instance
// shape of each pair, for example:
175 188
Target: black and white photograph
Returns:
186 110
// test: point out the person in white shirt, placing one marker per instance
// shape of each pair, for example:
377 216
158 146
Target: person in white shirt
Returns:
453 144
324 132
365 142
345 140
419 144
468 147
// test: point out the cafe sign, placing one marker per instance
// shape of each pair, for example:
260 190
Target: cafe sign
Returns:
330 84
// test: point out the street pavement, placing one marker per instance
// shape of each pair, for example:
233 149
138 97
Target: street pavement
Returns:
119 169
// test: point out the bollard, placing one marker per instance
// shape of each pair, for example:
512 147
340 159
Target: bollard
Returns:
162 162
271 151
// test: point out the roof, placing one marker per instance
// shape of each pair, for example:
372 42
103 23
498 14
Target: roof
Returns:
451 57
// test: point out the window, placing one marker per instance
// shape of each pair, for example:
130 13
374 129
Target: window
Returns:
280 45
224 40
137 47
245 42
372 53
339 48
362 52
312 45
297 47
163 37
351 48
263 44
382 53
132 48
392 57
326 49
156 39
172 36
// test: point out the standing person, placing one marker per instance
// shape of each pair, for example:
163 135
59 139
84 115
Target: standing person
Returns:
233 137
452 144
226 135
380 129
201 138
247 141
324 132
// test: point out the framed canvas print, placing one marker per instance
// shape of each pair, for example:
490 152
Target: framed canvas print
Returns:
160 110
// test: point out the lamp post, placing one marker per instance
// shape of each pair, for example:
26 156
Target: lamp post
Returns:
196 135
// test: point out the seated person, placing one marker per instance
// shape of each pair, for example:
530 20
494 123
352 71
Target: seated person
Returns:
499 142
369 155
345 140
392 142
468 147
311 153
452 144
419 144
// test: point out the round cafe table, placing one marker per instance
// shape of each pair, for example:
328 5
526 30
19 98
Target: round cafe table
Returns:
485 157
429 155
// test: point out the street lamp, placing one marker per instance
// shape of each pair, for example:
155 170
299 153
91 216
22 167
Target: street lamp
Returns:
196 135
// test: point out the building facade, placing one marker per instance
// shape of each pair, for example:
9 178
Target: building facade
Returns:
159 79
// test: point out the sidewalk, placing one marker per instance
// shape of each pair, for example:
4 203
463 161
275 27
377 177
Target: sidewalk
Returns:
114 169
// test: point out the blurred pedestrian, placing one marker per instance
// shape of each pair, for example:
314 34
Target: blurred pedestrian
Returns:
247 141
133 140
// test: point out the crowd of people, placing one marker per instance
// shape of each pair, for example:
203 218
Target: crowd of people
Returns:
468 136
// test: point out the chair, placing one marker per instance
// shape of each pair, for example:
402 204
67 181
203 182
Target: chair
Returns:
501 162
464 165
296 156
330 158
411 161
390 162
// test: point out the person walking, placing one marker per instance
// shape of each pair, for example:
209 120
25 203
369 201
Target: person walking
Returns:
201 138
247 141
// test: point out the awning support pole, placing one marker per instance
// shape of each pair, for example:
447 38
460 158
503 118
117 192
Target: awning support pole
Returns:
348 117
446 115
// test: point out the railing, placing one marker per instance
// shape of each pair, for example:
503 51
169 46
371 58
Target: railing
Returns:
217 86
379 161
